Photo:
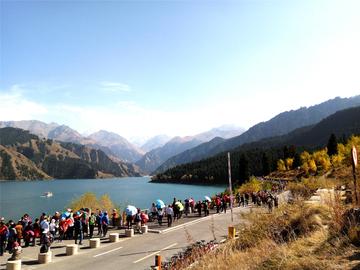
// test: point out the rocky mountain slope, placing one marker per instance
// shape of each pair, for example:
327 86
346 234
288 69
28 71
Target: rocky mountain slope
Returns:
118 145
25 156
113 144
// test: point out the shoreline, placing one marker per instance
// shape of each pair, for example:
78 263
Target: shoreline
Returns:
187 183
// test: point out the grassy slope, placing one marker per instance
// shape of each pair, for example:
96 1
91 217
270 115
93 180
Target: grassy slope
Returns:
297 236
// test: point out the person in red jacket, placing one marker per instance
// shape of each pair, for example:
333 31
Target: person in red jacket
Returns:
3 236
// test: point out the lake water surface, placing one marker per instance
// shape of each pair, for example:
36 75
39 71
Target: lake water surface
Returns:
17 197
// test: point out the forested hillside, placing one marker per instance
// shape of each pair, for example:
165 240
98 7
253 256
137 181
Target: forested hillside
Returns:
260 158
279 125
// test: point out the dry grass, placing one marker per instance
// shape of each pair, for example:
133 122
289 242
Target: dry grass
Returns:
297 236
307 186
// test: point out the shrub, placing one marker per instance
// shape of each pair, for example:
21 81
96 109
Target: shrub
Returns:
89 200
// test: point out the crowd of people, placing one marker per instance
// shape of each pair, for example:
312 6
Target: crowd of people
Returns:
261 198
77 225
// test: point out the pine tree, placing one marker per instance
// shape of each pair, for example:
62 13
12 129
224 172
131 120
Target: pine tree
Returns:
332 145
297 160
265 164
244 168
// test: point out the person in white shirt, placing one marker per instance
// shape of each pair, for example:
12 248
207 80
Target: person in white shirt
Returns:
169 214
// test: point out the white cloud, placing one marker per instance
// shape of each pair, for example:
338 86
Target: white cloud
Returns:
114 87
14 106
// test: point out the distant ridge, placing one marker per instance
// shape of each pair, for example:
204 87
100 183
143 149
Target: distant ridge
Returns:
154 158
281 124
342 123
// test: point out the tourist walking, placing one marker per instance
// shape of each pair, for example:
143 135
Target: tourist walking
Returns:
198 208
153 212
169 214
137 220
78 226
92 222
52 228
12 236
114 218
175 209
105 223
3 236
28 234
19 232
45 241
160 215
98 221
223 204
129 219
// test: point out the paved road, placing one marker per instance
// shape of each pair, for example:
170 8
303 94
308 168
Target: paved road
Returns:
137 252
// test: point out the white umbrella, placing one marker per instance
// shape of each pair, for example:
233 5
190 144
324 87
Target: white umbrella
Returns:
207 198
130 210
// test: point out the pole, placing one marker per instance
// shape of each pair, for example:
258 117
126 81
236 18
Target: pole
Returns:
355 189
230 188
354 165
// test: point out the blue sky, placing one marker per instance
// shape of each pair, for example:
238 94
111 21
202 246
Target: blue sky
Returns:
141 68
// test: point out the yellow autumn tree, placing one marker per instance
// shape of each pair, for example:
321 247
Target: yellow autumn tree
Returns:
322 160
289 163
281 165
106 203
312 166
87 200
253 185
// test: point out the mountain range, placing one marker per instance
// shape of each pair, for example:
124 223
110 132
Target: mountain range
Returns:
111 143
161 153
265 152
154 158
281 124
26 156
148 157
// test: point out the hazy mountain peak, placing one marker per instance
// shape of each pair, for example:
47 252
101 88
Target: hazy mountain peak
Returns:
155 142
120 146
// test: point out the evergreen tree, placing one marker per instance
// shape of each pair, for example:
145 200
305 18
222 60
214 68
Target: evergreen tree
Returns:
286 152
265 164
244 168
297 160
292 151
332 145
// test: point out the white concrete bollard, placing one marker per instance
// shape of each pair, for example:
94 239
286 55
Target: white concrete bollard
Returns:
45 257
94 242
129 232
13 265
114 237
72 249
144 228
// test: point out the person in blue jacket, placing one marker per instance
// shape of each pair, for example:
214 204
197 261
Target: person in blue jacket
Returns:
105 223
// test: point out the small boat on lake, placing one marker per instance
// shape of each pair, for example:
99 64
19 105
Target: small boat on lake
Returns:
47 194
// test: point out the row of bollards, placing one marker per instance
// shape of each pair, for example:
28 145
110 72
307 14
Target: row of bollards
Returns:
73 249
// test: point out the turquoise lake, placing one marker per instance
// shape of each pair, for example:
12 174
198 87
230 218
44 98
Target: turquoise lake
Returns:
17 197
